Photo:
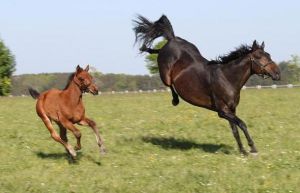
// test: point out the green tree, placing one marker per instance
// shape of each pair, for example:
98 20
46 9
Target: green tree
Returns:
294 68
7 67
151 59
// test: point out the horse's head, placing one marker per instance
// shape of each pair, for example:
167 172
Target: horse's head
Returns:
85 81
261 62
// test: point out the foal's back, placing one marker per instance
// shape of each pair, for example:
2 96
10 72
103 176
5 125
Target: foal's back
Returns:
57 104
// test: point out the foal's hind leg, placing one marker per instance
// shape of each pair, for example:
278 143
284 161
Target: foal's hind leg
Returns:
92 124
63 134
56 137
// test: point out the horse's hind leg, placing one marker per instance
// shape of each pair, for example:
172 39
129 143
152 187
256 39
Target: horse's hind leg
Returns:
237 137
235 120
92 124
165 75
175 100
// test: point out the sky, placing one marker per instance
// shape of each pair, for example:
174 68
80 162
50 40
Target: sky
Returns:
57 35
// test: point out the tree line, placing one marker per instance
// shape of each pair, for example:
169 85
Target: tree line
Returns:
18 84
290 74
105 82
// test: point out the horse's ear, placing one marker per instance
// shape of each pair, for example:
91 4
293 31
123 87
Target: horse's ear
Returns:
255 45
78 69
262 46
87 68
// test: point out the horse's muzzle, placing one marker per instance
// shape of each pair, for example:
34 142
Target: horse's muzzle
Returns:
276 76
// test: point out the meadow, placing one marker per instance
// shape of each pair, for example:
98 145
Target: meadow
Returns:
155 147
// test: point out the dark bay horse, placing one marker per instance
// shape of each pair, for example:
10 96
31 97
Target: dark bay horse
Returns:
214 85
65 107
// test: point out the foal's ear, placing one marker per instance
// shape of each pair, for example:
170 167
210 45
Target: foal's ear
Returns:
255 45
87 68
262 46
78 69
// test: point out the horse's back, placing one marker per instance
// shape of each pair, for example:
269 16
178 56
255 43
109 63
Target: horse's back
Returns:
174 50
190 74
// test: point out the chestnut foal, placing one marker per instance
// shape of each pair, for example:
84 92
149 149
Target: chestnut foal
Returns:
65 107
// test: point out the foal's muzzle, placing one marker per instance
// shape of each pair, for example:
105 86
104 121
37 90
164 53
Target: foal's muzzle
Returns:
93 89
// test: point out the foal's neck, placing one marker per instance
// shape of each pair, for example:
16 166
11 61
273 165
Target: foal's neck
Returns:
73 92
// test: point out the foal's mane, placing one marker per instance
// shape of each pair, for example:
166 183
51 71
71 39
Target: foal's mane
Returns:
70 78
241 51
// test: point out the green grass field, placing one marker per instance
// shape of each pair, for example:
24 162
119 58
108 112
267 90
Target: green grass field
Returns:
155 147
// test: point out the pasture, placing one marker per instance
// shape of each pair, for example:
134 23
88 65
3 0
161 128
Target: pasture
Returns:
155 147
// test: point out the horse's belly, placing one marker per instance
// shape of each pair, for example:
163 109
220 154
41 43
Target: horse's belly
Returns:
194 89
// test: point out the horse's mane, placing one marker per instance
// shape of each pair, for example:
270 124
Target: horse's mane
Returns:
241 51
70 78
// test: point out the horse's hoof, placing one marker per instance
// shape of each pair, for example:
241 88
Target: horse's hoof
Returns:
175 102
254 154
253 150
244 152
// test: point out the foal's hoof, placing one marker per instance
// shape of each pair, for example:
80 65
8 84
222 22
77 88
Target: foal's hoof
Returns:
103 151
175 102
72 152
77 148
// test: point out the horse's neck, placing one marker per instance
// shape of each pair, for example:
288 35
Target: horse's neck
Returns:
73 93
239 72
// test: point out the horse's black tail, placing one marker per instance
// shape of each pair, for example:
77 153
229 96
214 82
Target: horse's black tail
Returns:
35 94
147 31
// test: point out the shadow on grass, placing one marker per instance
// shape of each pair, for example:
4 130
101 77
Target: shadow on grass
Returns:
58 156
183 144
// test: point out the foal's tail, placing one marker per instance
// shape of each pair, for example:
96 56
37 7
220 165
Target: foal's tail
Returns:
147 31
35 94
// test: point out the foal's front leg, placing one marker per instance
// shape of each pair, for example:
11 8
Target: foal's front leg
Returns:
69 125
92 124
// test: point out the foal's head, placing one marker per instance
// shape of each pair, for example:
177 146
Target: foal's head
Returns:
84 80
261 62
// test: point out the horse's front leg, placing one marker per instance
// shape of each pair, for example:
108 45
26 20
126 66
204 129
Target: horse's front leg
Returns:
92 124
231 117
